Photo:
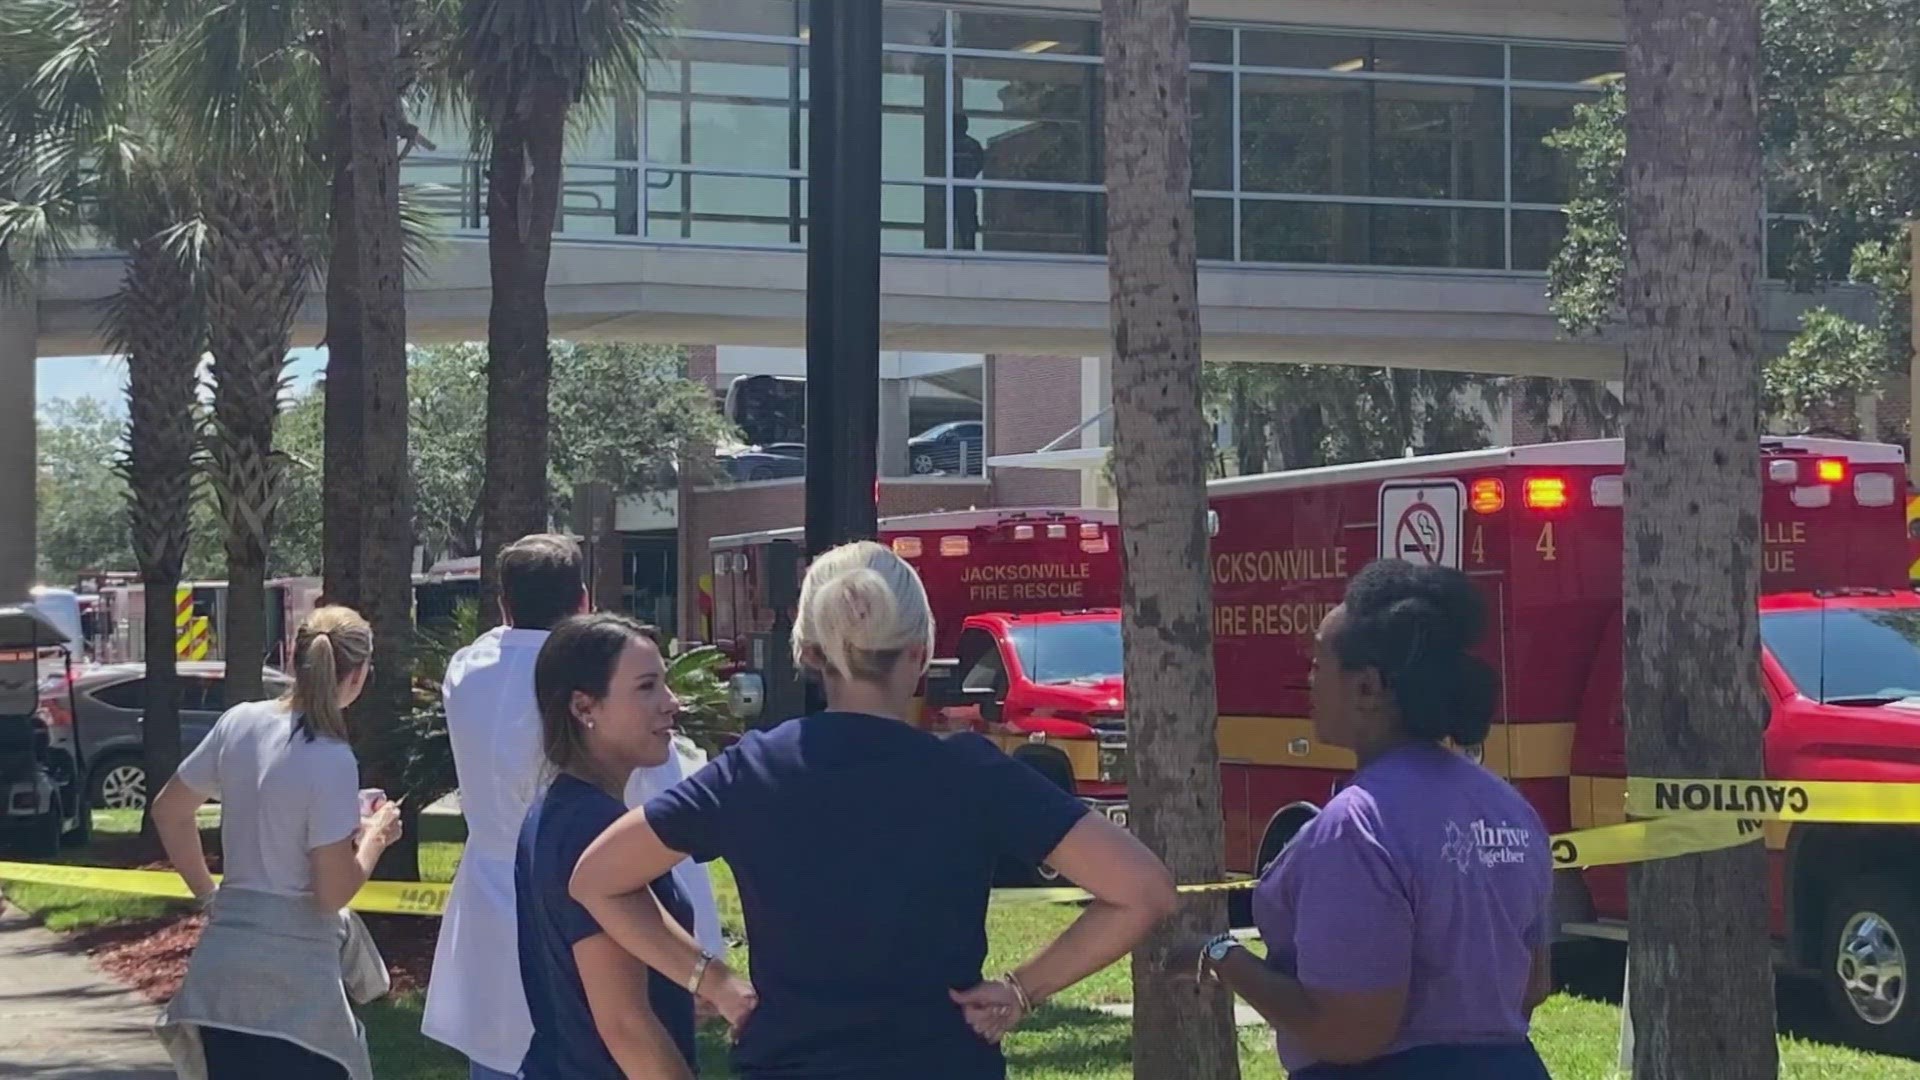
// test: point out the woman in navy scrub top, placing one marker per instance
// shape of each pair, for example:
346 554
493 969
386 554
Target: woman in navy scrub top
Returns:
598 1014
865 849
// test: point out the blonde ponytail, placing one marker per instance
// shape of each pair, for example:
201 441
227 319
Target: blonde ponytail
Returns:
861 608
333 644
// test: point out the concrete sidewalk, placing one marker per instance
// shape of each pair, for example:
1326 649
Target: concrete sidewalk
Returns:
61 1019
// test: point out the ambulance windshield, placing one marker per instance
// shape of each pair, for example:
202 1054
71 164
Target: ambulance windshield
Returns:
1848 656
1066 652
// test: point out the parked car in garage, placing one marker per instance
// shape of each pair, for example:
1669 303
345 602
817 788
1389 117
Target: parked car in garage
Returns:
112 702
957 446
773 461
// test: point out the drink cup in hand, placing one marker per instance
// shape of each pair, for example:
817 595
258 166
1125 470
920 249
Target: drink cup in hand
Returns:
371 799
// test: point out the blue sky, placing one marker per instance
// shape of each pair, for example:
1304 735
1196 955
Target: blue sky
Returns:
103 377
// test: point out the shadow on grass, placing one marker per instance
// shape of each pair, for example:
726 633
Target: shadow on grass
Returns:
1595 970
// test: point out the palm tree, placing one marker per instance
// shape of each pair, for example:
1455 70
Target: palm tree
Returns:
1160 464
252 109
1693 700
71 123
522 66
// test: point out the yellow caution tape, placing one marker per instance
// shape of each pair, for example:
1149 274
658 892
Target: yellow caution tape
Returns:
378 897
1635 841
1849 802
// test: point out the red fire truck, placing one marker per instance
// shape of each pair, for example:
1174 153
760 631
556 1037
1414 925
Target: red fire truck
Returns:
1539 528
1026 633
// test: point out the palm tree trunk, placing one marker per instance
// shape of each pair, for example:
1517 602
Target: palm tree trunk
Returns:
1160 454
385 583
157 321
523 200
1702 993
344 427
256 280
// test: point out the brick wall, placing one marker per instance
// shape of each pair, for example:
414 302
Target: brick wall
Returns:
778 504
1031 401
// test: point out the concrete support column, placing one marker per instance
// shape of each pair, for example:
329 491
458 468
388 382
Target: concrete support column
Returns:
896 400
19 350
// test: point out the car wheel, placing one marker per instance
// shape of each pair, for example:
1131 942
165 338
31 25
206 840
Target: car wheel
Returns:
120 784
1872 930
923 464
759 472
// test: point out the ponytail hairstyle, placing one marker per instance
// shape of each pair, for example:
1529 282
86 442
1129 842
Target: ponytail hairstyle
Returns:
1417 627
333 644
861 608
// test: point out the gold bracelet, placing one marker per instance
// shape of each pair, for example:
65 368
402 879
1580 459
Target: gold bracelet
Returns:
1019 991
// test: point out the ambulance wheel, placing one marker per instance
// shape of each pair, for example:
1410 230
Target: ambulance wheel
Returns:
1871 932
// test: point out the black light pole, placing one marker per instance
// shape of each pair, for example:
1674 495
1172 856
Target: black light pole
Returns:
843 273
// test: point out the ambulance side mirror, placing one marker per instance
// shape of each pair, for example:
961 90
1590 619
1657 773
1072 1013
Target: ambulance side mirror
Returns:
987 698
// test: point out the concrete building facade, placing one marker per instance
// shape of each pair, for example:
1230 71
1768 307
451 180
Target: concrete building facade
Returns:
1370 188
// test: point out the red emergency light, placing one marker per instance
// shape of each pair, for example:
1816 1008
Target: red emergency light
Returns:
1544 492
1830 470
1487 495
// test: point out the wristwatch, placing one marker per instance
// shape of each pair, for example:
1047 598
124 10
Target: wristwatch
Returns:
1214 951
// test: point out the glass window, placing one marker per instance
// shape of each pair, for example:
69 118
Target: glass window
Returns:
1360 235
1541 174
912 142
1211 107
1213 228
729 104
725 209
1057 36
1068 652
1788 241
1537 235
1288 49
913 218
610 132
1033 120
1438 236
130 695
1595 67
1056 222
449 191
1429 56
1848 656
1303 136
913 24
1348 137
1210 44
773 18
598 201
1438 142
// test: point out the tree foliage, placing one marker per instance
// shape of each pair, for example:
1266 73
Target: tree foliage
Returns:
1298 416
1841 131
623 413
83 515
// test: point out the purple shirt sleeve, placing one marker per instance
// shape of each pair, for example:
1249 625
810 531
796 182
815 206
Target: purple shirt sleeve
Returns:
1353 917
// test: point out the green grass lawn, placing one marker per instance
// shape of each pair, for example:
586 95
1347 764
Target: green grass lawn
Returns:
1067 1040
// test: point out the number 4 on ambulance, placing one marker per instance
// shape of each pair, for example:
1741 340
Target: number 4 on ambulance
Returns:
1539 531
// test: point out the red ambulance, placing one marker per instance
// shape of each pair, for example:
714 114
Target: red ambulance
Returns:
1539 528
1026 632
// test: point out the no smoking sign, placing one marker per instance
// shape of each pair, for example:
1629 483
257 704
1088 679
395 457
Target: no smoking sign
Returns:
1420 521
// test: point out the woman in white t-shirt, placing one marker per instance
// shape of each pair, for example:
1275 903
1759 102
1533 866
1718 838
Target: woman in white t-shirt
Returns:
263 992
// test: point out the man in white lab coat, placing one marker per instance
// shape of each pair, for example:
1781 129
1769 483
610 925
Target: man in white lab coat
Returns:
475 1003
474 1000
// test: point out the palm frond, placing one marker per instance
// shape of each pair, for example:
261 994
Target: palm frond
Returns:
588 49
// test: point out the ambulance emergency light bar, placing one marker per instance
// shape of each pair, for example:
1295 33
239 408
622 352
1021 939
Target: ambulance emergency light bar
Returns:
1092 536
1550 491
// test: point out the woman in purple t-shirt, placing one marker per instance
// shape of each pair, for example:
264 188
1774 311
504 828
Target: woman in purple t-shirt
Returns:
1408 924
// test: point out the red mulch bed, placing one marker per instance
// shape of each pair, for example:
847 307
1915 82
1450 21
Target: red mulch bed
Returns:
151 955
